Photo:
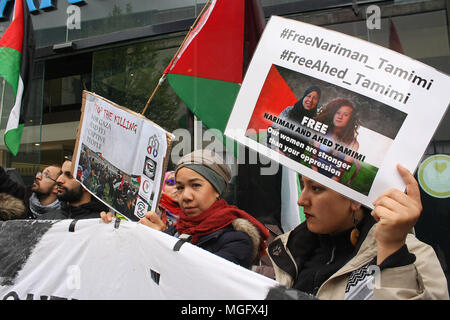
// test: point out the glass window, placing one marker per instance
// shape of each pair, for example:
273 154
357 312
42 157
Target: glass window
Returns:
125 75
128 75
65 79
71 22
421 36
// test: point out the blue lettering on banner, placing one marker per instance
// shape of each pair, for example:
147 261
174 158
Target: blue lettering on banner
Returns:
44 4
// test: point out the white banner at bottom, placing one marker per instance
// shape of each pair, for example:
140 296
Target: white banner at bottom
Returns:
93 260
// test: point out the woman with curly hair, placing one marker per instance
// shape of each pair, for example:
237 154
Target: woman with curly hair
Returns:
343 122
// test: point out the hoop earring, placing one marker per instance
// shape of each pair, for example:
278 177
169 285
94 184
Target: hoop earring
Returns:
354 235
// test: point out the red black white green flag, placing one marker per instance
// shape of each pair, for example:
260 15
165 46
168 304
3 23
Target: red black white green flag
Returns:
207 72
16 59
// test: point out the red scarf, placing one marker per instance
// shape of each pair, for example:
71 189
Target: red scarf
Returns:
216 217
166 202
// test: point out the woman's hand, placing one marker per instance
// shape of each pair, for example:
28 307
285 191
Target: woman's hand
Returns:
107 217
396 213
152 220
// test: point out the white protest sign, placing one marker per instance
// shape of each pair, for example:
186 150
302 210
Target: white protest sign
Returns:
120 156
375 108
44 259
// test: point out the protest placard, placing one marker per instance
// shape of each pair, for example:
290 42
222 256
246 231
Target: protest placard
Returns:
338 109
120 156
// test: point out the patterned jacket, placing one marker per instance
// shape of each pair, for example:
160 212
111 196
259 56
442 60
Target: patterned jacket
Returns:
361 278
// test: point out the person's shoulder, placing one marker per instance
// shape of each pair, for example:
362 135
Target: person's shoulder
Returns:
238 239
417 246
231 234
299 233
224 236
285 112
57 214
94 206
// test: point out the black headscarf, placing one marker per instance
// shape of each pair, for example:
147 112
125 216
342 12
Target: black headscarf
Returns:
298 111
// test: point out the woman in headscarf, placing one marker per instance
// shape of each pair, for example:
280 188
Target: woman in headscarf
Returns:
305 106
202 178
168 203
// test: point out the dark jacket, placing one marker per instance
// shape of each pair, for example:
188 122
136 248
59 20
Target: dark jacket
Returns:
11 187
85 211
237 242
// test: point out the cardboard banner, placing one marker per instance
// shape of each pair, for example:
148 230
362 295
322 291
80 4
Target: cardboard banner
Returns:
120 156
88 259
374 108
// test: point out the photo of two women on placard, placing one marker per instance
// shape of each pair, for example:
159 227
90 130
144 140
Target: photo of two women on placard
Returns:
334 131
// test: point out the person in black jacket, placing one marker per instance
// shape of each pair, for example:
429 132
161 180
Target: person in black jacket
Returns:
41 197
76 201
222 229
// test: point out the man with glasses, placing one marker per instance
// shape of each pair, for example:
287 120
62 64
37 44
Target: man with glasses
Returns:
41 198
76 201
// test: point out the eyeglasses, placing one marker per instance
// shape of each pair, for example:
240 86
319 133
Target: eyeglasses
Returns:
45 175
170 182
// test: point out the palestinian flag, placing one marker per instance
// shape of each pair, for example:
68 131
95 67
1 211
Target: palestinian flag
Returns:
207 74
207 71
136 181
275 95
16 59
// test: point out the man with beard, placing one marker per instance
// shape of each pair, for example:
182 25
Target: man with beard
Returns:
76 202
41 197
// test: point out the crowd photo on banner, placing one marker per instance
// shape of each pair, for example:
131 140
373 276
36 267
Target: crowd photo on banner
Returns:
128 216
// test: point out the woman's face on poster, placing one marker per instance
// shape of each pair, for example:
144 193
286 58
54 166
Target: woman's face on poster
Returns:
342 116
310 100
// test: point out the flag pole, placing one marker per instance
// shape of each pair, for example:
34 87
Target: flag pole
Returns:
163 77
3 99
